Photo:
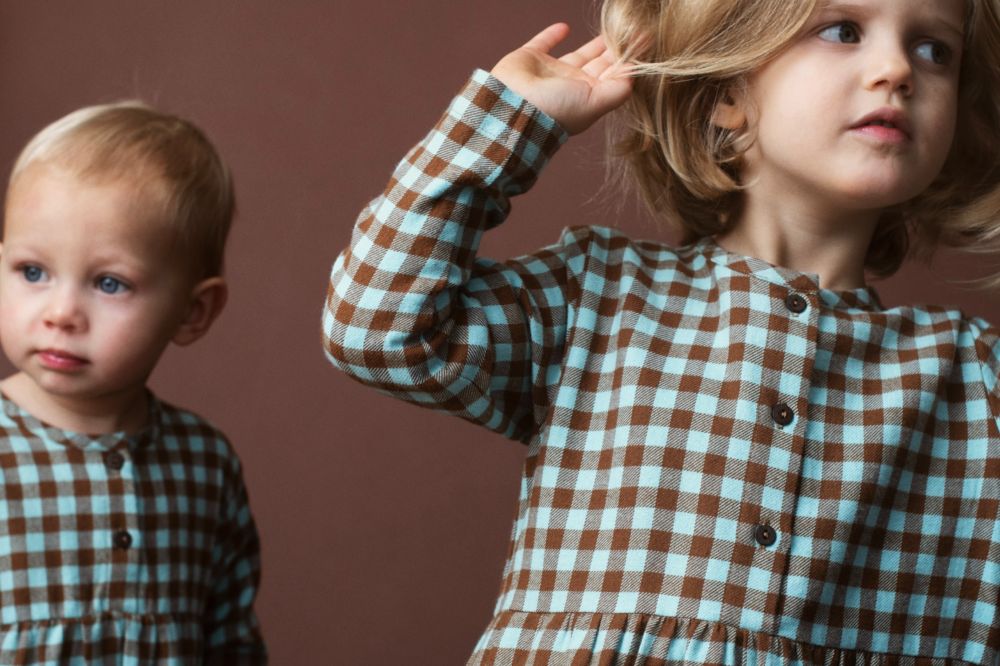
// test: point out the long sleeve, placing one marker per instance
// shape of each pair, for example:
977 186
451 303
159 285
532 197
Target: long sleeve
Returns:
232 635
411 311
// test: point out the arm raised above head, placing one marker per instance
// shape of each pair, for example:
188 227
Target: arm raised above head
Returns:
413 312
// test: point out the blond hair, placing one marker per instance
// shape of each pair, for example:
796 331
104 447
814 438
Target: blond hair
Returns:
163 154
689 54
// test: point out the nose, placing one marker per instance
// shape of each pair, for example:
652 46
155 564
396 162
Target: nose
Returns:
889 67
64 311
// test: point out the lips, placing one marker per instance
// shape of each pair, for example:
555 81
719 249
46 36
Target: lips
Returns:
886 124
58 359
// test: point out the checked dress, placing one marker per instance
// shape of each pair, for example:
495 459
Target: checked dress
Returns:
125 549
725 463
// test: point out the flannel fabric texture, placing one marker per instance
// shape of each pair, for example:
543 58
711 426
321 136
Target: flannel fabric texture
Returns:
725 462
125 549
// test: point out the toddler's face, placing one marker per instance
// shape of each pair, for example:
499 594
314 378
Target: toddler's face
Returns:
859 113
90 292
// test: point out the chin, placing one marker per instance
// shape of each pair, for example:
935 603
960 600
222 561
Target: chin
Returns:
882 192
872 196
58 384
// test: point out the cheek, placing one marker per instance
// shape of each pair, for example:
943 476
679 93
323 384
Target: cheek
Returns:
133 331
12 329
11 309
942 118
794 122
946 133
942 141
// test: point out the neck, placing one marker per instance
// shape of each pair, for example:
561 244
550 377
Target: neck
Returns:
832 245
99 415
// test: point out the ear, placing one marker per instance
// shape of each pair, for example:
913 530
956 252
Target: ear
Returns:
729 112
207 299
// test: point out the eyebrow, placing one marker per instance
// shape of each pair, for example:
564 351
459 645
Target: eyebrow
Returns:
867 10
951 27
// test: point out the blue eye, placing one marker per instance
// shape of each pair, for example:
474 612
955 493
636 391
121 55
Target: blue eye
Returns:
844 32
934 52
32 273
110 285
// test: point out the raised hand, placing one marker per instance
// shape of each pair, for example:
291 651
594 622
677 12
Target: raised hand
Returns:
576 89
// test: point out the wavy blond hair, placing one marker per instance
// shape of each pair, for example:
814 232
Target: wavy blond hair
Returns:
689 54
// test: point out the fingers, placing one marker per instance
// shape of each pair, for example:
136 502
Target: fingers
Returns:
586 53
618 70
605 66
549 38
599 66
596 61
592 58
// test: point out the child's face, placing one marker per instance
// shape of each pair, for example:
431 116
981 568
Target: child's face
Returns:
859 113
90 294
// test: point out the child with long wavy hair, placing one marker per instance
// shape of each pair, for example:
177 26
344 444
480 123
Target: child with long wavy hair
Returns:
735 453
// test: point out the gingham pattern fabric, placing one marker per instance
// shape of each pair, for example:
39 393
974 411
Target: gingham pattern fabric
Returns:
725 462
125 550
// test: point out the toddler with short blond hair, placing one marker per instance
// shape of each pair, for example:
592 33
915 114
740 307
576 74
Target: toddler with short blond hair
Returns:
127 534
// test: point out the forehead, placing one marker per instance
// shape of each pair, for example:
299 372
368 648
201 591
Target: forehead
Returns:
50 198
952 12
136 192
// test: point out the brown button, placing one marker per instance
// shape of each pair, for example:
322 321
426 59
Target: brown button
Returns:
782 414
765 535
796 303
114 460
122 540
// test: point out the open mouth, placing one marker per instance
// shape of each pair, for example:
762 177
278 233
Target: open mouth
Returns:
887 124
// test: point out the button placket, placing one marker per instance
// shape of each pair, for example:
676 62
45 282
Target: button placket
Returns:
782 410
782 362
123 525
782 414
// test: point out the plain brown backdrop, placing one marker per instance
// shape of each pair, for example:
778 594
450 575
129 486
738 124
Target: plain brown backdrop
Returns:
384 526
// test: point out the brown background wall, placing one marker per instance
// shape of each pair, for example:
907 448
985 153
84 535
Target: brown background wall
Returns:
384 526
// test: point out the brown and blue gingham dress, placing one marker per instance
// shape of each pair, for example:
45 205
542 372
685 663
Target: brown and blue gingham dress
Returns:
725 462
125 550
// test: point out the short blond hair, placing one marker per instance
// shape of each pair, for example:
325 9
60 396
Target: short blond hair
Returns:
131 141
689 54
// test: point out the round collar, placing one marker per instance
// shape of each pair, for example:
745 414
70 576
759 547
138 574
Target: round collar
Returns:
862 298
30 424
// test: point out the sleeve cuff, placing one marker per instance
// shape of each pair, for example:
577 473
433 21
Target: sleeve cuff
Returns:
489 123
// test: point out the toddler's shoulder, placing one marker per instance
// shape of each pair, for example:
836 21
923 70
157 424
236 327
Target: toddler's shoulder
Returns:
184 432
